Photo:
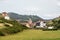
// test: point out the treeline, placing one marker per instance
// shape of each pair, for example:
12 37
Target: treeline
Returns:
55 22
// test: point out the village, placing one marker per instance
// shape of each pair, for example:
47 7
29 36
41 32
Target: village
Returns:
41 24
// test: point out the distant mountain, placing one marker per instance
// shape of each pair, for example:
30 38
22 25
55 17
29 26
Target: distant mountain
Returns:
24 17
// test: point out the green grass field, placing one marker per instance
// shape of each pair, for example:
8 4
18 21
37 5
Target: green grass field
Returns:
33 34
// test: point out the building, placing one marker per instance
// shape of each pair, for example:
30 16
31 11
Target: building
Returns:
40 24
5 15
28 23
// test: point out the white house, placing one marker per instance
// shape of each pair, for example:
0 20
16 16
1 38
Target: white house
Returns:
7 17
40 24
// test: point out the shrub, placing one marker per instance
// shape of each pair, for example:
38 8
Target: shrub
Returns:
12 30
1 33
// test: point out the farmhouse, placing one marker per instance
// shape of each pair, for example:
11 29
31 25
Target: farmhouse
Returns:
40 24
5 15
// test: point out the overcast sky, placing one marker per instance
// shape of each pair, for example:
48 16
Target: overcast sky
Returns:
46 9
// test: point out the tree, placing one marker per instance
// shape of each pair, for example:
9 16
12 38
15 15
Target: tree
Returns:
56 23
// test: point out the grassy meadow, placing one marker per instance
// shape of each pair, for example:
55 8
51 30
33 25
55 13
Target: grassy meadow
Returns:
32 34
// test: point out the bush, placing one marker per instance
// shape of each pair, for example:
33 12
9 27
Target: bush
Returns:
1 33
6 25
11 30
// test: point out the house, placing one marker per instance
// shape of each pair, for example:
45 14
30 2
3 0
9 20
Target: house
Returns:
40 24
5 15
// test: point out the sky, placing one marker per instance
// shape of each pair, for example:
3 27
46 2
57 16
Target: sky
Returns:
46 9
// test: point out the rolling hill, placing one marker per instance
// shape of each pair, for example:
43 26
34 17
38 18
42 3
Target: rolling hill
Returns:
24 17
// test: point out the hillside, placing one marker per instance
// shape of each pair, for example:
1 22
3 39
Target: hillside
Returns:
10 27
57 18
54 22
24 17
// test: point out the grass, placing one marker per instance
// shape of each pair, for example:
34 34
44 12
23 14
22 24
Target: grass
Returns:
33 35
